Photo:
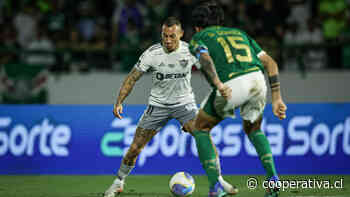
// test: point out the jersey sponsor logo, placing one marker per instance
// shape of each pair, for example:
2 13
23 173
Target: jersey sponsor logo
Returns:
138 64
183 63
161 76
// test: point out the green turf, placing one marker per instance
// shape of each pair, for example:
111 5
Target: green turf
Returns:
145 186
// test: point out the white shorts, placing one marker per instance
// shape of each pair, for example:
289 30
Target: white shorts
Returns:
248 93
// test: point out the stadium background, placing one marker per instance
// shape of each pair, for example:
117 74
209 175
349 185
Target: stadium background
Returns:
74 55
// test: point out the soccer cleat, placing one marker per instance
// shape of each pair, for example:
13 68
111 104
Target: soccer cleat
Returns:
229 189
115 189
222 188
272 192
217 191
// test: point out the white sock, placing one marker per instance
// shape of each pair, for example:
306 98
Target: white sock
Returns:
124 171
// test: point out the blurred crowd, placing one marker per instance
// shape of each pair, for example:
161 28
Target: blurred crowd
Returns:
111 34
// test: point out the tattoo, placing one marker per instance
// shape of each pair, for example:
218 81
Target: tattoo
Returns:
128 84
141 133
208 69
141 138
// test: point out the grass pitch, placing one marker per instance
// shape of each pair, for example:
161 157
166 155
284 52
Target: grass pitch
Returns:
153 186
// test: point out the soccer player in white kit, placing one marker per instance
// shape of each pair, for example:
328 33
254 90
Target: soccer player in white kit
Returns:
171 95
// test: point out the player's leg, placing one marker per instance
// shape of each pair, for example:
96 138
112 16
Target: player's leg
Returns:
141 138
262 147
206 148
251 113
205 120
214 109
208 155
153 119
186 115
151 122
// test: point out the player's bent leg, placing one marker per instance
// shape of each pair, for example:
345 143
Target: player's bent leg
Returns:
205 121
208 155
186 115
141 138
206 149
189 126
262 147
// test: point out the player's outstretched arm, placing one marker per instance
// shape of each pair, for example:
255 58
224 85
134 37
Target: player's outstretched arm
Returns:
278 106
125 89
212 77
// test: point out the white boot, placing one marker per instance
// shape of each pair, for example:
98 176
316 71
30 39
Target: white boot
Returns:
229 189
115 189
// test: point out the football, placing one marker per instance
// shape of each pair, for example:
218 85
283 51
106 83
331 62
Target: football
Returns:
181 184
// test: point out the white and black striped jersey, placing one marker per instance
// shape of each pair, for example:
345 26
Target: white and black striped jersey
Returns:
171 75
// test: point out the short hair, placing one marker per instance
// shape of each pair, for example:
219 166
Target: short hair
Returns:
207 13
172 20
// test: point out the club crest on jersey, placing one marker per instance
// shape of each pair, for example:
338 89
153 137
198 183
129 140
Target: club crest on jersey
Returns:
183 63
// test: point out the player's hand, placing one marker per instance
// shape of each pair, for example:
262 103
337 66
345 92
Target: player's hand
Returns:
117 110
279 109
225 91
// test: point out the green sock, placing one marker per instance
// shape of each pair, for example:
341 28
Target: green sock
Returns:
262 147
207 156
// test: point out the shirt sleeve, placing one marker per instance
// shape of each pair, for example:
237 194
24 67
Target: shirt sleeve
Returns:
195 62
144 62
256 47
197 46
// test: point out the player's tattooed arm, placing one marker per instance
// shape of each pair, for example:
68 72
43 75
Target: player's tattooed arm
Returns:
128 84
209 71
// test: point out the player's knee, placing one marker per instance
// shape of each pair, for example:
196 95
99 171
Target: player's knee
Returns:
203 125
133 152
189 126
205 122
187 129
250 127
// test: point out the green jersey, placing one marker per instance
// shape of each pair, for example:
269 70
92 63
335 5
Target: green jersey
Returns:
234 53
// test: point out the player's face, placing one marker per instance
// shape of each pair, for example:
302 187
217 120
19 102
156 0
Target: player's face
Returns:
171 37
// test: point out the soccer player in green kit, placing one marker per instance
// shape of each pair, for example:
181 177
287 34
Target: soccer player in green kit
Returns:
240 63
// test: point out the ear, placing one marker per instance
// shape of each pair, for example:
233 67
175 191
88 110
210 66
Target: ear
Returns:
181 33
198 29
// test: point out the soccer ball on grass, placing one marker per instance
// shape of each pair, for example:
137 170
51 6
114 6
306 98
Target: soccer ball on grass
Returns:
182 184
